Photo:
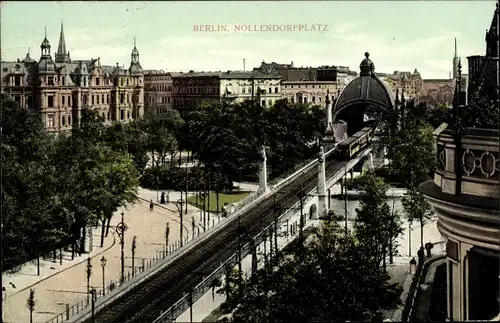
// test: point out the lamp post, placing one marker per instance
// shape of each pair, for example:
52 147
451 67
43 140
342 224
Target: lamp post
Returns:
193 225
179 205
89 274
93 293
167 233
103 265
204 196
120 230
134 245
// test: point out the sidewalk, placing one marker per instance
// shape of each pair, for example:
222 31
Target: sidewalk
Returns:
67 284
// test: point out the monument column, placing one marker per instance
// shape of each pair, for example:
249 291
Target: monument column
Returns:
322 208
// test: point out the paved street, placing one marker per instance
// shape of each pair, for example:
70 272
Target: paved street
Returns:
68 283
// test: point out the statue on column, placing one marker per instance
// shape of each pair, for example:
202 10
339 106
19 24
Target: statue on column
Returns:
264 157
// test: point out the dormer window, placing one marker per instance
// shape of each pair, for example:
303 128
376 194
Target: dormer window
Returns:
97 81
50 80
17 81
63 79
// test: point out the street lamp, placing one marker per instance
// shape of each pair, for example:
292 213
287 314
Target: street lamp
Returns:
103 265
193 225
134 245
204 196
167 233
179 205
89 274
93 293
120 230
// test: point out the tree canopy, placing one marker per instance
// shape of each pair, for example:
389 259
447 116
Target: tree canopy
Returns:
53 186
331 281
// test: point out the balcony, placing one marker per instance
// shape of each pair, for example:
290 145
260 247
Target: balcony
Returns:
465 189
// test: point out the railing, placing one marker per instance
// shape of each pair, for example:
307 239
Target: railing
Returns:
417 280
206 284
112 285
278 182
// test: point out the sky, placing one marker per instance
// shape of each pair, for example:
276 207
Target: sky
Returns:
399 35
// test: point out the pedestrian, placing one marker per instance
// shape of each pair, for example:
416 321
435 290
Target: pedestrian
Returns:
151 206
4 292
428 247
421 255
162 198
168 198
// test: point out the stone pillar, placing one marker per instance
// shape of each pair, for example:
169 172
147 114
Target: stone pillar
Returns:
370 161
90 237
254 258
322 208
263 171
457 281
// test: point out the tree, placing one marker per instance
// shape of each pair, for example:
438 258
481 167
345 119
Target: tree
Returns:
375 226
417 208
410 148
482 110
332 280
221 139
289 128
28 185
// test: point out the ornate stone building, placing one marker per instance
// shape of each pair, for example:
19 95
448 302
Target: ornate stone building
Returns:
487 65
59 88
313 92
157 92
190 89
465 196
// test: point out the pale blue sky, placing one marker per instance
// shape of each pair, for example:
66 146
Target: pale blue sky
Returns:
399 35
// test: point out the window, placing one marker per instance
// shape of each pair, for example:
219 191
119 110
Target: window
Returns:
92 99
102 98
264 103
276 90
63 102
305 100
50 121
270 102
121 82
243 90
107 98
50 80
122 98
69 119
30 101
122 114
128 82
270 90
17 81
63 120
293 100
314 99
62 80
69 100
97 98
97 81
168 99
85 99
128 114
50 101
319 99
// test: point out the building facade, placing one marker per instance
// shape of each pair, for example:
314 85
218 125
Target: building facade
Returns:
290 73
157 92
313 92
487 64
190 89
58 89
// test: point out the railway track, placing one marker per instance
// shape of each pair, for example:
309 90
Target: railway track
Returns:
145 302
